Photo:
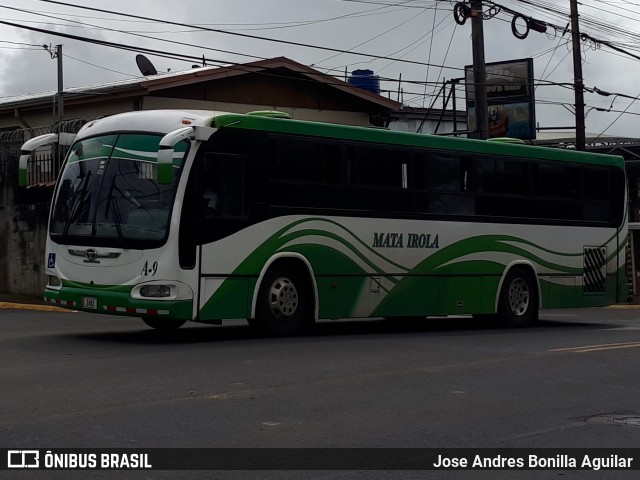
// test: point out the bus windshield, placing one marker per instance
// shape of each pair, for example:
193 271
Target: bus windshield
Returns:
109 195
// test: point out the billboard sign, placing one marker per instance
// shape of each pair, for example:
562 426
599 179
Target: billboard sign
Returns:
510 99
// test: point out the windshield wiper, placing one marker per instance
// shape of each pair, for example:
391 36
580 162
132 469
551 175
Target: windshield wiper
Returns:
79 201
117 221
116 215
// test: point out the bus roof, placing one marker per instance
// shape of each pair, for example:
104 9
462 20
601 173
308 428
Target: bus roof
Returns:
389 137
165 121
150 121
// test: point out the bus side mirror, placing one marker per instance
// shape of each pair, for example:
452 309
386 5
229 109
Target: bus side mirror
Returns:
165 166
23 170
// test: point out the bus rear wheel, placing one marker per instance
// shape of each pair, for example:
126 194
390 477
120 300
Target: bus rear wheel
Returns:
164 324
284 306
518 304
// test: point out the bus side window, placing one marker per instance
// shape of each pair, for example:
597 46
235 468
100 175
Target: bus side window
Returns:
466 177
223 190
378 167
210 187
440 172
232 174
444 181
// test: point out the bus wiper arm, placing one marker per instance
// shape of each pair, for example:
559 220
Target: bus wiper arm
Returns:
77 203
117 221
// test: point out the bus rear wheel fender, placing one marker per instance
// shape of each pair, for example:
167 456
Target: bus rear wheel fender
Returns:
519 297
297 261
285 303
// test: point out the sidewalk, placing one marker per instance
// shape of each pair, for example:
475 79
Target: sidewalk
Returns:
27 302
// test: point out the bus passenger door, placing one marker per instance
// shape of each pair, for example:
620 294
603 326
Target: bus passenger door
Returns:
223 212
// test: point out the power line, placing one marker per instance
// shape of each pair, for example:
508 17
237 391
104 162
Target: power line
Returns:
199 58
66 55
375 37
256 26
136 34
21 43
245 35
619 116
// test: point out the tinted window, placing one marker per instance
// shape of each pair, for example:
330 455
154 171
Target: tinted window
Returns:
596 183
307 161
502 176
377 166
439 172
558 181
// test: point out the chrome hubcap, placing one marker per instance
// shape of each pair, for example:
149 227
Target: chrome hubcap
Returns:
283 298
519 297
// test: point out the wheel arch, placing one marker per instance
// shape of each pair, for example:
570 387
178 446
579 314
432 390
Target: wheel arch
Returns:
302 261
532 270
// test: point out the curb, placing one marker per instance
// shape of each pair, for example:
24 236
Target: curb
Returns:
24 306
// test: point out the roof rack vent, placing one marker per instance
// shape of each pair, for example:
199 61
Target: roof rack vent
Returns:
270 114
518 141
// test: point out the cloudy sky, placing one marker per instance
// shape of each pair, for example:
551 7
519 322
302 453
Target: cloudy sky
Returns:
421 39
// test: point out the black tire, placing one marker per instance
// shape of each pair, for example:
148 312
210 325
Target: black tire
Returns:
164 324
518 304
284 306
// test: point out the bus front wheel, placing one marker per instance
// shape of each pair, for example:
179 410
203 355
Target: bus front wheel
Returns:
284 305
518 304
163 324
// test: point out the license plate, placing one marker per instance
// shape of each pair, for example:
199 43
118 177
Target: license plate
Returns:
90 303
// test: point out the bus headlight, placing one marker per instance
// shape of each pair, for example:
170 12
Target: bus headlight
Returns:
162 290
54 281
155 291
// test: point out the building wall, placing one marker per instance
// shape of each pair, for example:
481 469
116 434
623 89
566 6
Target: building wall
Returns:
41 117
330 116
407 123
35 118
24 213
22 243
23 220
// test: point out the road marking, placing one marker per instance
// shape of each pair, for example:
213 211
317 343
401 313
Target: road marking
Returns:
596 348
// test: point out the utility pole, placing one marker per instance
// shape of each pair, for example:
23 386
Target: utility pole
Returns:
479 71
58 152
59 104
60 86
577 77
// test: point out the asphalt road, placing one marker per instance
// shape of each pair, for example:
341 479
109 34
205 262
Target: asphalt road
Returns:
80 380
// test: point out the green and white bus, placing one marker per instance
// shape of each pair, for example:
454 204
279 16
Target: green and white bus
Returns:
174 216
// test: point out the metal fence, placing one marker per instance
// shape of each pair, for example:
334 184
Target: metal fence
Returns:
44 164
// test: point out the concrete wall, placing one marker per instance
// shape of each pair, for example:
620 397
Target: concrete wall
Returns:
24 214
22 243
23 229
